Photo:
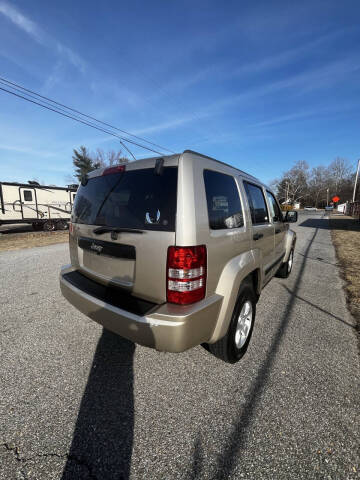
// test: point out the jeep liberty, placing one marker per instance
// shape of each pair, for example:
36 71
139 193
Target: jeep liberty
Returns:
173 252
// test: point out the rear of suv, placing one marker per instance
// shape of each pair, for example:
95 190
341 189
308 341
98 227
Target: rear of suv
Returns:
173 252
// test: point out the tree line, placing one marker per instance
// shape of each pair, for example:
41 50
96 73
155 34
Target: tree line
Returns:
315 186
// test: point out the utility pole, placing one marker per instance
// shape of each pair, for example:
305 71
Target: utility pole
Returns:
356 180
327 197
287 192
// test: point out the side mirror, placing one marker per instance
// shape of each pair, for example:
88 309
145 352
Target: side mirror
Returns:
291 216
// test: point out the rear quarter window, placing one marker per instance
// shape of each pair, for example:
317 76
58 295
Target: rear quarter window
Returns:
137 199
223 201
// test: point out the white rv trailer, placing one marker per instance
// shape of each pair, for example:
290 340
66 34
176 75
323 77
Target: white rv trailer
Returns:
45 207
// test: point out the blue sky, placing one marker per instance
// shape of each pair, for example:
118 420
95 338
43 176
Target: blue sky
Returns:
256 84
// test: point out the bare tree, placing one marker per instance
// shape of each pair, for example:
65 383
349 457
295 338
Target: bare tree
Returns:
85 161
299 184
293 185
110 158
319 182
339 171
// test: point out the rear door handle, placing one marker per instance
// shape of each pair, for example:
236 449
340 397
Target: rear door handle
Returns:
257 236
278 230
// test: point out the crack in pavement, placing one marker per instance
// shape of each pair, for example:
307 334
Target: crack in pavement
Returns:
12 448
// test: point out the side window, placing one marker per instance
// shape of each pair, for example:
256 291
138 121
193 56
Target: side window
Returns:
223 201
257 203
274 208
28 195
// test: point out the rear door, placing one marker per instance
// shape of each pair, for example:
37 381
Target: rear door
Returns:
228 235
279 226
262 228
124 222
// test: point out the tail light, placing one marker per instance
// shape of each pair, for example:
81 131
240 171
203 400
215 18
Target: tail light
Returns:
186 274
71 228
115 169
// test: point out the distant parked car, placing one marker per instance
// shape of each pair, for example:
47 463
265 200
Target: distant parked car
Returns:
310 208
329 208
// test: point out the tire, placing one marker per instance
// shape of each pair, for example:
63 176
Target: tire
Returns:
49 226
37 226
285 269
62 225
233 346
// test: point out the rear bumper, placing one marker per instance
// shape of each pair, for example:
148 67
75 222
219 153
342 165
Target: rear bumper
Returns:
171 328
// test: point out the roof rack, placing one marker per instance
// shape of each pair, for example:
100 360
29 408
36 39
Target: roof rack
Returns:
222 163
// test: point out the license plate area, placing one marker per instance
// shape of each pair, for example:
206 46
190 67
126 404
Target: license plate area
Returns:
107 262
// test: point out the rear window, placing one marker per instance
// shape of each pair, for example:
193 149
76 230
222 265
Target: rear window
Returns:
130 199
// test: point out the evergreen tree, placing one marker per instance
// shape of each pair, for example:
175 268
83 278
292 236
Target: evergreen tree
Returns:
83 162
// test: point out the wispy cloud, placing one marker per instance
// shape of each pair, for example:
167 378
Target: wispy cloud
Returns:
302 83
305 114
313 79
286 118
286 57
177 122
21 21
36 33
53 78
71 56
27 151
229 70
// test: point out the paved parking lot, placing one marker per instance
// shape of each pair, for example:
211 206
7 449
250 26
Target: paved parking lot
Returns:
77 402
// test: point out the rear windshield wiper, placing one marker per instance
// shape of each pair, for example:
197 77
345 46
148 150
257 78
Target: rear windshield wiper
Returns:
101 230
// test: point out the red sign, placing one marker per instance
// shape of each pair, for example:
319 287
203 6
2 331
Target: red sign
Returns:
335 199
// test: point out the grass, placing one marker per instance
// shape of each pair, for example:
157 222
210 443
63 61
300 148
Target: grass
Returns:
345 233
17 241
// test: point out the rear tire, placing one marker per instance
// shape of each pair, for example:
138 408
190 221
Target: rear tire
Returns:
62 225
285 269
49 226
37 226
233 346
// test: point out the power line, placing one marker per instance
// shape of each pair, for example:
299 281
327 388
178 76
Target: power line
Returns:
23 89
81 121
62 110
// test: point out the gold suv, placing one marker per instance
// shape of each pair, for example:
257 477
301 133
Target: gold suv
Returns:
173 252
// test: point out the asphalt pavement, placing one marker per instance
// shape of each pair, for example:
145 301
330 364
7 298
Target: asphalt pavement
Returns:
77 402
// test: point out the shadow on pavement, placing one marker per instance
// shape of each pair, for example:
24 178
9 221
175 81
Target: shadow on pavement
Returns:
319 259
320 309
197 461
322 223
345 223
240 430
332 223
103 435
